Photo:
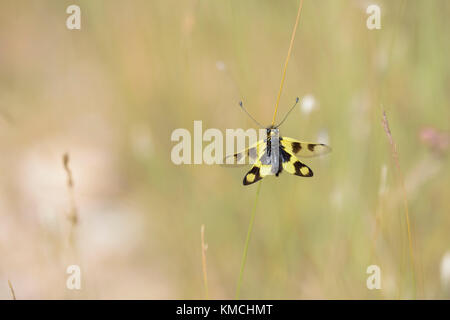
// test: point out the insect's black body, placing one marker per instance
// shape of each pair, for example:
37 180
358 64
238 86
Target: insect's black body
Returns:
275 154
274 150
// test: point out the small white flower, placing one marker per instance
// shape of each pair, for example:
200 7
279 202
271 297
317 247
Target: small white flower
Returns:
308 104
220 65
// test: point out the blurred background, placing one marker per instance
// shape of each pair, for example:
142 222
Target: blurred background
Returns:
110 95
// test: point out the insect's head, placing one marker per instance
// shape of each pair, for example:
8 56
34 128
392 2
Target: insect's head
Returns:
272 130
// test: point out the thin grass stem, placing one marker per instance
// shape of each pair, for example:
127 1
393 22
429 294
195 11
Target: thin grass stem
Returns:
204 248
13 295
247 241
287 61
405 201
250 227
73 213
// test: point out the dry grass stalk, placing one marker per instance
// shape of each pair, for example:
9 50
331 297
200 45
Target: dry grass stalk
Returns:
12 290
73 213
394 153
204 248
252 217
287 60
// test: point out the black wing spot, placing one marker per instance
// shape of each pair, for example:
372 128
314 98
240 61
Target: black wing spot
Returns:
296 147
254 173
299 167
285 156
311 147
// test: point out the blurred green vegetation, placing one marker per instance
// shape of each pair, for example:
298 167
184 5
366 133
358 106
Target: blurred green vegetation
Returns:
111 94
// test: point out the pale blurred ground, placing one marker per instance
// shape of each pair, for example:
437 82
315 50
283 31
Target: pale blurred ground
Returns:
111 94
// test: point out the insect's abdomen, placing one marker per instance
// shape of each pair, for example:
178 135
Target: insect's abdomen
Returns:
275 151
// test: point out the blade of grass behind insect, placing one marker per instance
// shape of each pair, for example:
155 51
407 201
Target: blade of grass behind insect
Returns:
250 227
247 241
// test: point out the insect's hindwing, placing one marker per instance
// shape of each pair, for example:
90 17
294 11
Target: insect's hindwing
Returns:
303 149
257 172
292 165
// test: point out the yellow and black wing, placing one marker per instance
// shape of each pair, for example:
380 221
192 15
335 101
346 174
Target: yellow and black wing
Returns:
292 165
246 156
303 149
257 172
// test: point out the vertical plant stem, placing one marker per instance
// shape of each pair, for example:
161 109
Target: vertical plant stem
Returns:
73 213
405 201
252 218
384 84
204 247
287 61
247 240
12 290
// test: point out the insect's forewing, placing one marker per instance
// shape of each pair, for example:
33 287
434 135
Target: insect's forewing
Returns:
303 149
246 156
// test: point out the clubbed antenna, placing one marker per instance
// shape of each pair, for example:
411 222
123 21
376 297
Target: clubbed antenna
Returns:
285 117
243 109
